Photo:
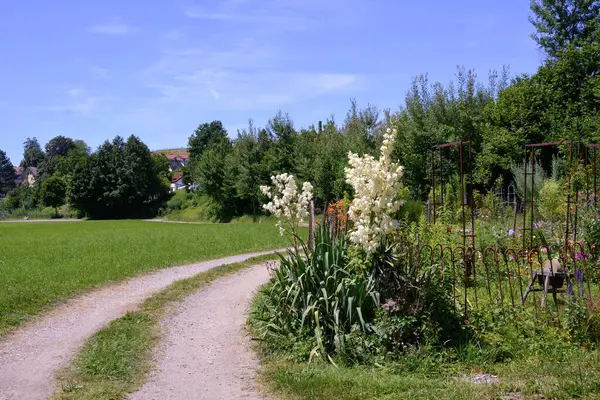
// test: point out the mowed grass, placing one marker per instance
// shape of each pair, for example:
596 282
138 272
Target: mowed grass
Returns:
42 264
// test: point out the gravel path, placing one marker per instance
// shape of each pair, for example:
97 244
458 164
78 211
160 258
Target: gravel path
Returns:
30 357
205 353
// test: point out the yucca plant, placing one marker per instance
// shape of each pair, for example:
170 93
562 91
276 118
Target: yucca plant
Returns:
316 294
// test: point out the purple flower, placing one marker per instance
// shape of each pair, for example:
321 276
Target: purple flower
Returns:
511 233
579 256
536 226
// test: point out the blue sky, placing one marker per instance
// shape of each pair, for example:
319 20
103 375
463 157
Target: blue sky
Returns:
95 69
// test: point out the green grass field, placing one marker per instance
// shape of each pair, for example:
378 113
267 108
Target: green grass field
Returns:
42 264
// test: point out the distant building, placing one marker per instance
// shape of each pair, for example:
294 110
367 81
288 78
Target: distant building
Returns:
177 182
25 176
177 161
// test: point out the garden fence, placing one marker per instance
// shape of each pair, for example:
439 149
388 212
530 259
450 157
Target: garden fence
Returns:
512 279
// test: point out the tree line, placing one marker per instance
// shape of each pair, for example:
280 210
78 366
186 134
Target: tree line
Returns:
498 116
122 178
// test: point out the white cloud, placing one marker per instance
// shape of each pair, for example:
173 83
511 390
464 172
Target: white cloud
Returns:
115 28
100 73
215 94
271 14
284 21
174 34
74 92
249 68
82 107
252 89
76 101
325 83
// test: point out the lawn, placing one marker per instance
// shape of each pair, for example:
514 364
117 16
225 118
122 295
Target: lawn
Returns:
42 264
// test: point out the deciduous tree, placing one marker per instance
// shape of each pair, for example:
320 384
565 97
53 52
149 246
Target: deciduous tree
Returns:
54 192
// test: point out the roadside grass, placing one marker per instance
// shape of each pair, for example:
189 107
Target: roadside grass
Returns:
117 358
42 264
537 367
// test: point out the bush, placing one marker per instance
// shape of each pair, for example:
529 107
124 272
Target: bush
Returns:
412 210
209 209
553 202
417 305
54 192
190 207
177 200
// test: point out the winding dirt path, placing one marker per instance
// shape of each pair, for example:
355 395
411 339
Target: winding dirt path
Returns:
30 357
205 352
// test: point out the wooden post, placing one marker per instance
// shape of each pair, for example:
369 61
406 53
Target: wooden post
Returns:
311 225
428 212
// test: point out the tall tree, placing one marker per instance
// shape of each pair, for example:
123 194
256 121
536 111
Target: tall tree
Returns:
33 155
560 23
204 136
212 172
7 174
281 128
59 146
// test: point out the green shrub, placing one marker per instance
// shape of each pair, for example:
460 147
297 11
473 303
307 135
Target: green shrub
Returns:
190 207
209 209
417 305
177 200
491 206
553 202
412 210
582 321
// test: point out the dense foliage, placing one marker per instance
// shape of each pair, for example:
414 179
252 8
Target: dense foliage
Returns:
54 192
117 181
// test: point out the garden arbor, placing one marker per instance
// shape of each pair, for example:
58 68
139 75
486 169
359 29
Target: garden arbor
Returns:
440 177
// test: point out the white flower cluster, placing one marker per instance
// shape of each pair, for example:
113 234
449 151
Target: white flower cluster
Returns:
287 203
376 184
